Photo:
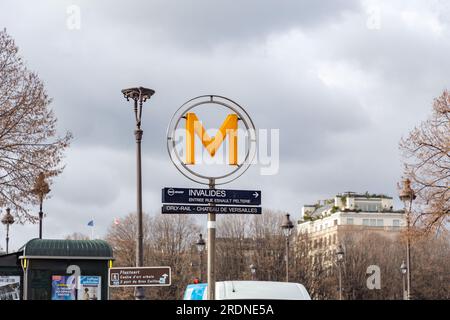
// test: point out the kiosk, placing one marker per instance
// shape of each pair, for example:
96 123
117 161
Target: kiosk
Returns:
59 269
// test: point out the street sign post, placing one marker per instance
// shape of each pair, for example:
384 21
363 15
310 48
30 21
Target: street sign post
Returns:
199 209
139 276
213 196
187 167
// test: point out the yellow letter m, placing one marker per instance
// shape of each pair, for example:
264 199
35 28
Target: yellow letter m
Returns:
228 127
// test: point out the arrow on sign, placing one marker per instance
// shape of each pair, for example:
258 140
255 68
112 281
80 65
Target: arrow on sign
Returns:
256 195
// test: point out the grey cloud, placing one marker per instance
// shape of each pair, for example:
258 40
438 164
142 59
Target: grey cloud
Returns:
334 137
203 23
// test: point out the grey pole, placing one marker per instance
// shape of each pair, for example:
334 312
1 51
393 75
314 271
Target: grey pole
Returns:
408 257
139 96
340 283
41 189
7 220
403 282
139 293
41 216
211 249
339 260
201 267
407 195
25 281
287 227
253 271
7 238
287 259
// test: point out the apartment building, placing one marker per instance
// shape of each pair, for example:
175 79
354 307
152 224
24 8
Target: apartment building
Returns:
325 224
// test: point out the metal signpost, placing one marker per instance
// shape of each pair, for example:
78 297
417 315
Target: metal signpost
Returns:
139 276
214 201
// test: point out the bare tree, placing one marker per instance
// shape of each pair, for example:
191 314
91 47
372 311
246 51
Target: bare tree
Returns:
171 239
168 240
269 245
28 141
122 238
426 151
430 268
232 247
313 267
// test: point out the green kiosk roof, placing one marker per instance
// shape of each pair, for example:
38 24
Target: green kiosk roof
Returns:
51 249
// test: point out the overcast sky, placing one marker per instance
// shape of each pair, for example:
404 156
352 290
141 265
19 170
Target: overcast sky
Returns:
343 81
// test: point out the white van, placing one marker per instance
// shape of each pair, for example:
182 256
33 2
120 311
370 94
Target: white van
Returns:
243 290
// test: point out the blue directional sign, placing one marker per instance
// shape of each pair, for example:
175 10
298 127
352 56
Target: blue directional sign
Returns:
199 209
211 196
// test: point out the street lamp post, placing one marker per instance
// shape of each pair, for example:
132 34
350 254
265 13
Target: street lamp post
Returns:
200 248
403 270
340 259
7 220
253 271
287 227
139 96
41 189
407 195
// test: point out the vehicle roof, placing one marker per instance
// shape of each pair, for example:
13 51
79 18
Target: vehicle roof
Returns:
260 290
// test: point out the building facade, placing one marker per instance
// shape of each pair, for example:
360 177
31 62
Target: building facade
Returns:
325 224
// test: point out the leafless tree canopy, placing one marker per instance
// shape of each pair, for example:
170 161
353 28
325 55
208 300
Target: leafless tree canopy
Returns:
168 241
258 240
426 152
28 141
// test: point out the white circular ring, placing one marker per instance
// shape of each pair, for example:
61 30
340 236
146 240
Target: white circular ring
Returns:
242 115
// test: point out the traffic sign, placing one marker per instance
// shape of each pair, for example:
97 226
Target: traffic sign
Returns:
139 276
214 196
199 209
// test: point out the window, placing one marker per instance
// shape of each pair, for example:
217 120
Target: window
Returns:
368 207
320 227
380 223
373 222
365 222
349 220
334 238
335 222
396 223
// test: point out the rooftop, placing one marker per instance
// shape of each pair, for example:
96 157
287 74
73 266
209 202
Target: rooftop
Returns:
363 195
67 248
348 202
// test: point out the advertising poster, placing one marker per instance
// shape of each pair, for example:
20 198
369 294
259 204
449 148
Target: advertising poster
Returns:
9 287
89 288
63 288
